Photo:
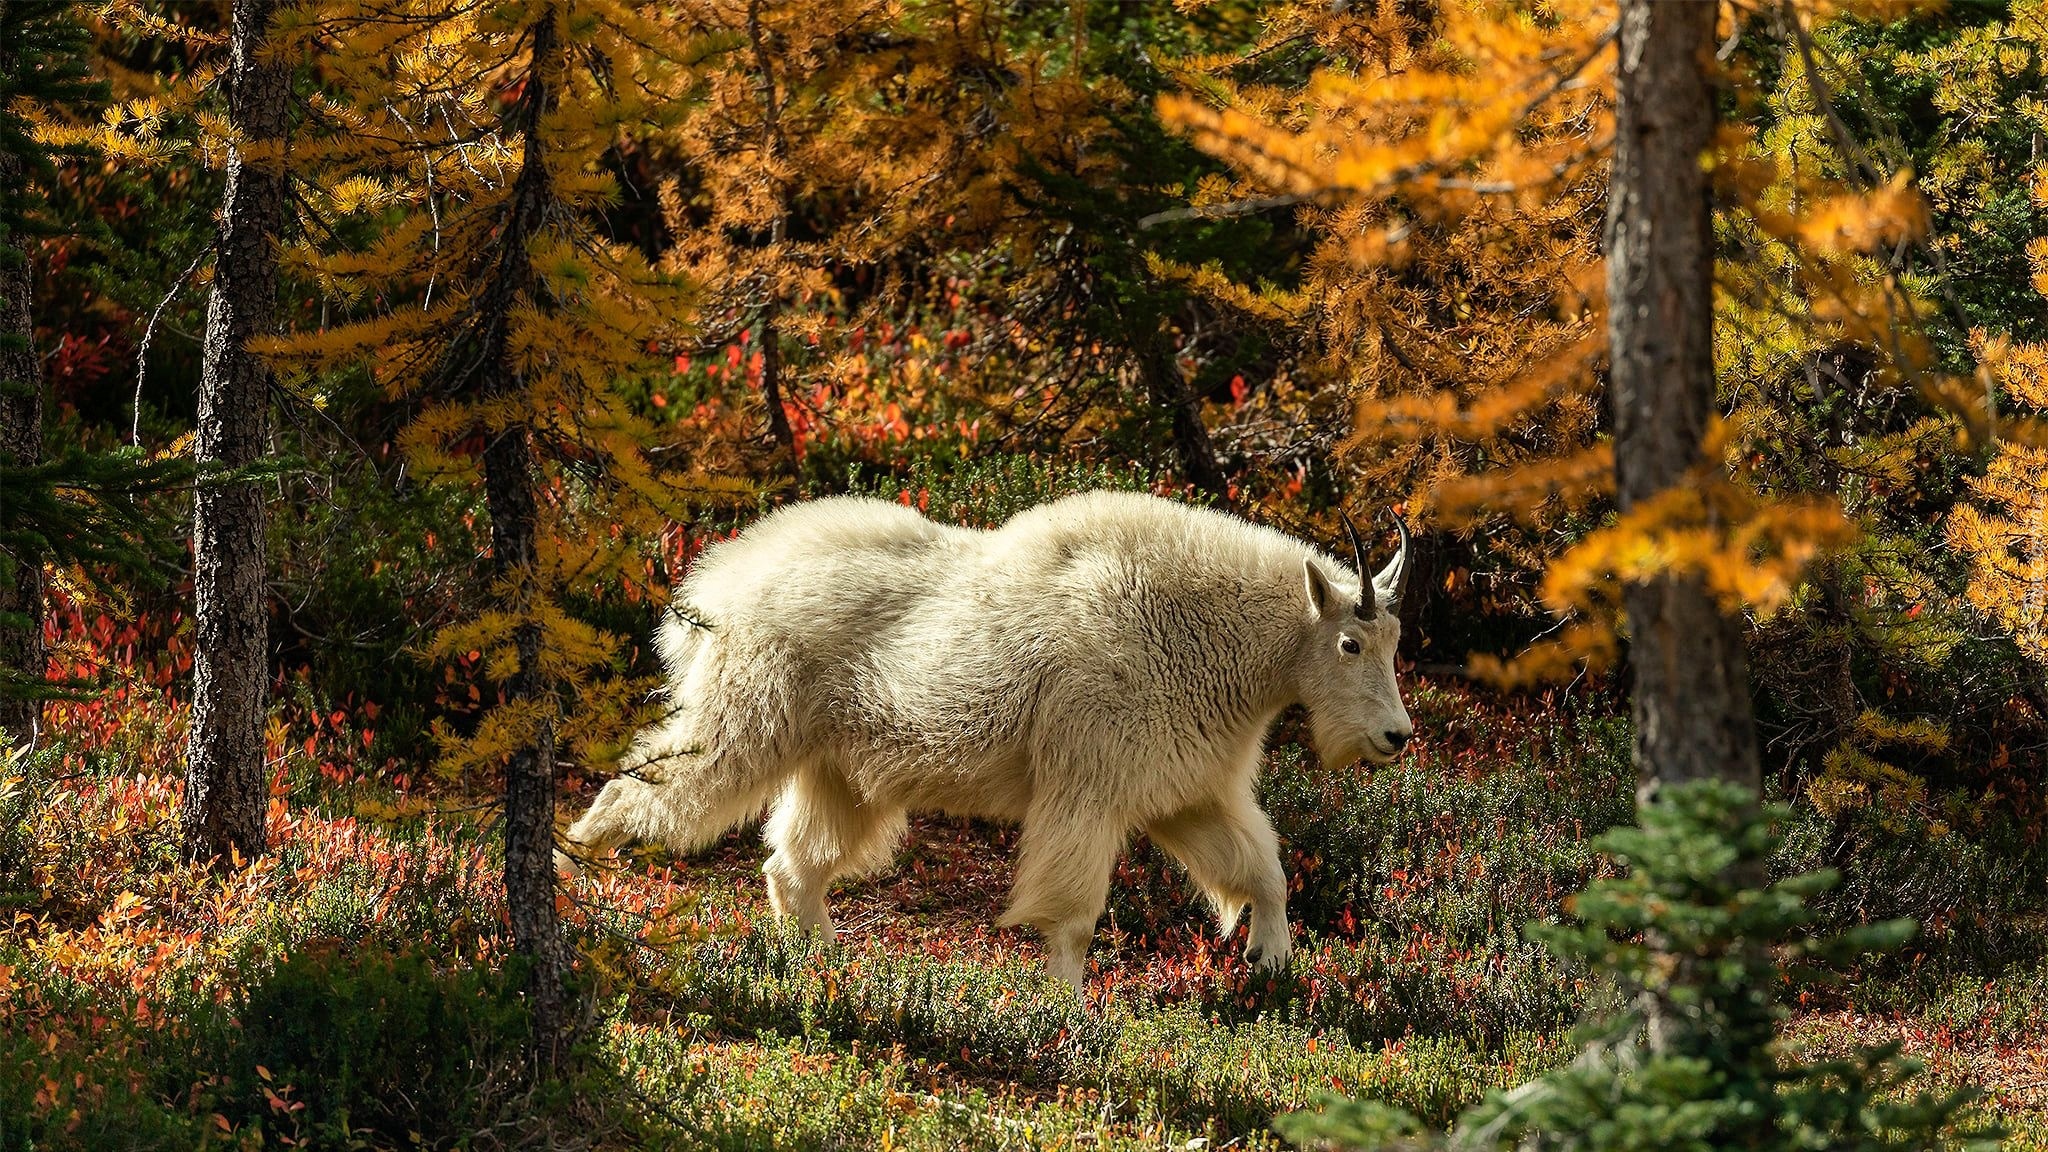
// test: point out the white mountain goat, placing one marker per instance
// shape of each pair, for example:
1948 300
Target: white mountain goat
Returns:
1106 663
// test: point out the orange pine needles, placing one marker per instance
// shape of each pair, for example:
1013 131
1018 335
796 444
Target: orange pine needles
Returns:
415 163
1455 174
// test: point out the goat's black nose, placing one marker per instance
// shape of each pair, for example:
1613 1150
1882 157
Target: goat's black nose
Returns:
1397 739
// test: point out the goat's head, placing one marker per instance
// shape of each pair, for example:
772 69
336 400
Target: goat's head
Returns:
1346 670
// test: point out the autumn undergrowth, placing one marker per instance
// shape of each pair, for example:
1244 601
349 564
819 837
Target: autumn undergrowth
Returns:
349 990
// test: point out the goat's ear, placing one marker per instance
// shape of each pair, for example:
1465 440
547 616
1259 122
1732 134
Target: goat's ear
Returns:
1323 596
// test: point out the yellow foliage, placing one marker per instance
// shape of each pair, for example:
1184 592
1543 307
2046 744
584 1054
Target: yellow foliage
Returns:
1576 646
2004 533
1875 727
494 306
1575 480
1454 173
1850 778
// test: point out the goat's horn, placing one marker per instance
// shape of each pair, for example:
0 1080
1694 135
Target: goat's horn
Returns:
1401 574
1368 601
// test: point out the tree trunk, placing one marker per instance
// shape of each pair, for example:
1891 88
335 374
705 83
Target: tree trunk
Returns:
771 385
21 442
509 478
1691 698
1168 390
225 792
530 772
1691 702
771 147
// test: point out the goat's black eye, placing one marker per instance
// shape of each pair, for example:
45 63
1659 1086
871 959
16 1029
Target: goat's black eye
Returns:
1349 644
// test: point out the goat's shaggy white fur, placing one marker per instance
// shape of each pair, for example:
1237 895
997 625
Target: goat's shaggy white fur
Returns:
1101 664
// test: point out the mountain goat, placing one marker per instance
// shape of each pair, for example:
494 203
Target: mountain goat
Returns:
1106 663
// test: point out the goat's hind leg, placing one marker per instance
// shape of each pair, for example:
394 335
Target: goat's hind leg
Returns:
666 792
823 829
680 790
626 810
1229 849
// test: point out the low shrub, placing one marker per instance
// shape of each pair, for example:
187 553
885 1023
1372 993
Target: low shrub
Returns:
369 1048
1411 881
341 1048
779 1093
77 1072
984 491
25 787
1702 952
1469 846
1195 1069
1975 881
997 1019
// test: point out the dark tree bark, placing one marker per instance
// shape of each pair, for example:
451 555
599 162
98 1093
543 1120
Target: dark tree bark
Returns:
771 383
21 442
1168 390
530 771
1691 698
510 472
771 146
225 792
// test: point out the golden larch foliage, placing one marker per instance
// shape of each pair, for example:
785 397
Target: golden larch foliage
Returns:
414 162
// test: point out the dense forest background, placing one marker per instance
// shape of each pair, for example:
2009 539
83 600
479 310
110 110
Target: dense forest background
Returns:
549 296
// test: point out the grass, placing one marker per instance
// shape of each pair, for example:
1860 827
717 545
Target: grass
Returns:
144 1003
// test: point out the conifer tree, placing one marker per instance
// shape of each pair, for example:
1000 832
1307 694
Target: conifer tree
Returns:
482 364
834 154
21 393
851 163
226 788
92 511
42 62
1693 936
2003 530
497 307
1489 120
1449 303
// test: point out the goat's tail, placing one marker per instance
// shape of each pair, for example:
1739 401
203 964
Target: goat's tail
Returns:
714 761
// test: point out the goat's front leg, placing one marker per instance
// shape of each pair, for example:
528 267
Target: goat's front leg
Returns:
1230 851
1065 855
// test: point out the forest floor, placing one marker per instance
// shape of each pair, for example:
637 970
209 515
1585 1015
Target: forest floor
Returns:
349 988
1271 1051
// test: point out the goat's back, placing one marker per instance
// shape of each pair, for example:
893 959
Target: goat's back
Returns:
936 660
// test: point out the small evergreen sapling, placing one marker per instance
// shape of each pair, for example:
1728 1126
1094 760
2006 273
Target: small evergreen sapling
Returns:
1701 951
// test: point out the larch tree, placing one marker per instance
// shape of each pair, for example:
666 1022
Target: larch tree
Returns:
226 793
497 308
1500 107
1459 318
767 145
857 170
1690 691
1693 542
480 363
43 71
1451 168
1927 634
835 152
